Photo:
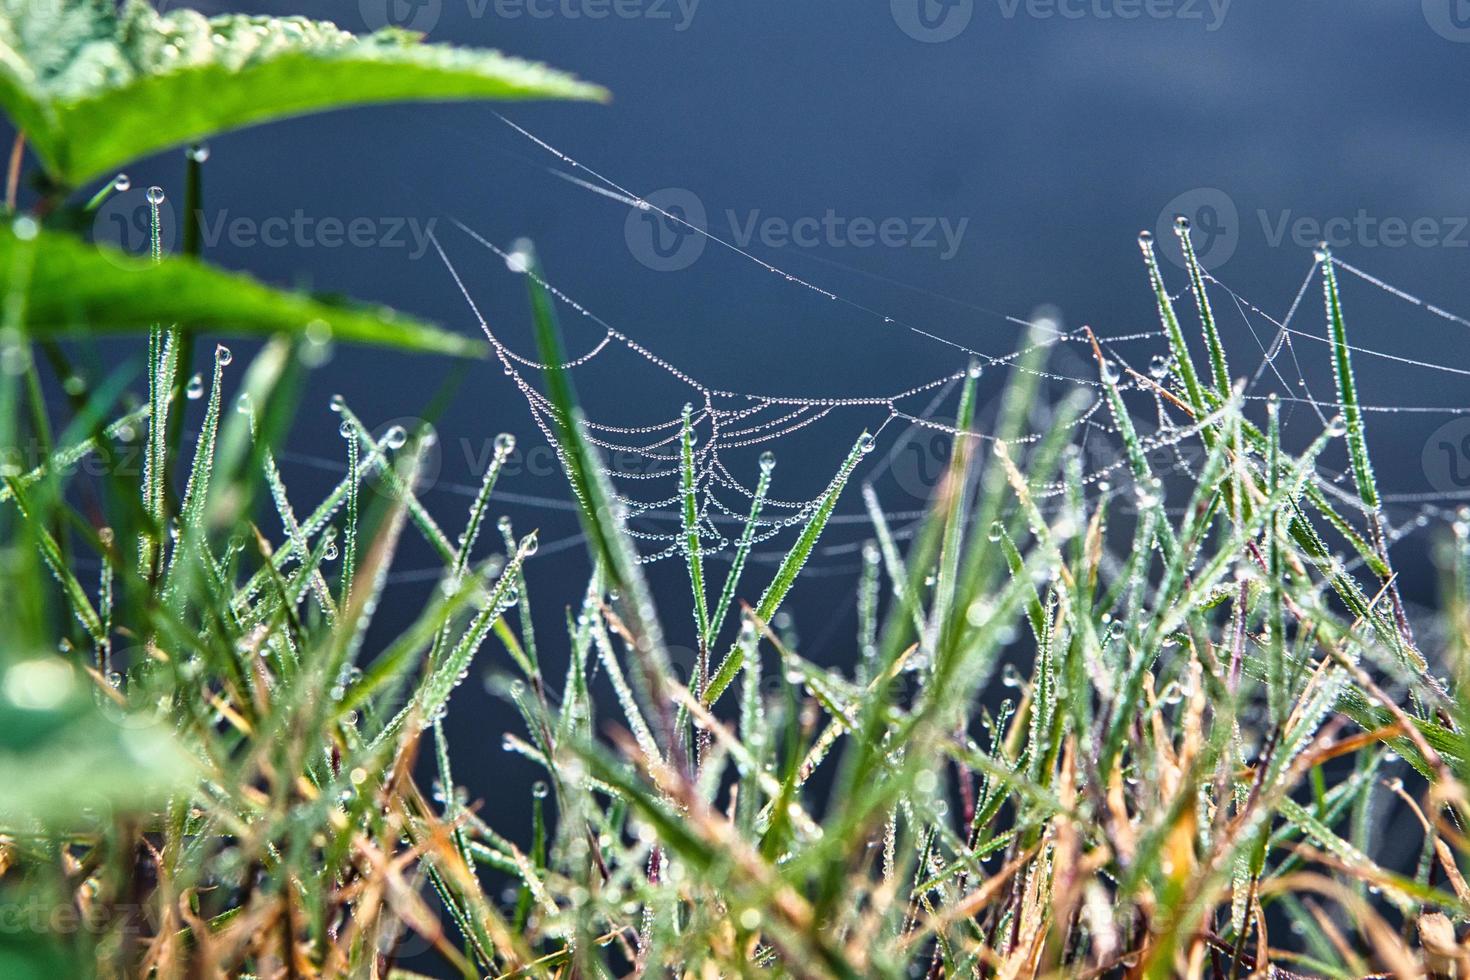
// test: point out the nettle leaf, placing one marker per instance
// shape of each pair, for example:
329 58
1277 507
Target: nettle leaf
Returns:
94 86
68 288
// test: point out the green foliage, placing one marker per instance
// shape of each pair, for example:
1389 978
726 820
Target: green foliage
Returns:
95 86
68 288
1157 783
207 749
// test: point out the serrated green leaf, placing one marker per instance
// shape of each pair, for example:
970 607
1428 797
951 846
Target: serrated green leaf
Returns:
94 85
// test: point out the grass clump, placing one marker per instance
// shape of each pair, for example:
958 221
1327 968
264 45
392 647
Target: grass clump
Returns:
1141 728
1180 780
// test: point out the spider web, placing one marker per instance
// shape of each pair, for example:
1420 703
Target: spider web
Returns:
728 423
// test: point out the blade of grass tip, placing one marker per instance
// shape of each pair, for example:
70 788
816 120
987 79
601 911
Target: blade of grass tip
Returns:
742 548
504 444
350 522
1183 361
690 516
196 490
398 438
1213 345
893 561
951 504
1347 395
293 530
271 381
527 642
162 354
449 674
791 564
601 519
197 487
1143 474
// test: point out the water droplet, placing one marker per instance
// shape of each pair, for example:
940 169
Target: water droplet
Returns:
155 195
330 552
195 388
997 531
1110 372
540 790
223 355
867 444
1181 225
768 461
503 524
199 152
504 443
1145 238
338 403
976 369
243 403
1158 366
529 544
345 429
122 182
396 437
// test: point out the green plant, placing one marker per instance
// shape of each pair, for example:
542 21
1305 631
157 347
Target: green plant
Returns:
209 770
